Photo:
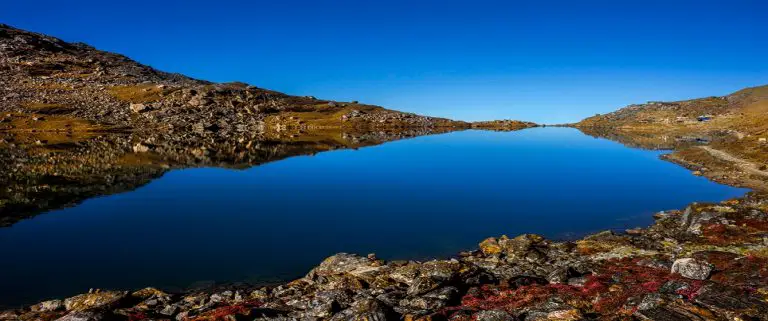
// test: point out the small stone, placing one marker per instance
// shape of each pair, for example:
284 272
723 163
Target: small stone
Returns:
422 285
51 305
577 281
692 268
138 108
140 148
493 315
651 301
490 246
169 310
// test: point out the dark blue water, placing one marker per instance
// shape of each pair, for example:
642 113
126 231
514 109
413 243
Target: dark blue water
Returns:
426 197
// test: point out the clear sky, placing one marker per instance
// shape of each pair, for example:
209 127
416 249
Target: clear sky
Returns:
544 61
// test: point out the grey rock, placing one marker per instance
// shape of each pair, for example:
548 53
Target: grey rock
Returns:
493 315
422 285
692 268
51 305
365 309
170 310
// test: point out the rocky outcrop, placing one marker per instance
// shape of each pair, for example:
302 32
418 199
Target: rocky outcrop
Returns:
668 271
503 125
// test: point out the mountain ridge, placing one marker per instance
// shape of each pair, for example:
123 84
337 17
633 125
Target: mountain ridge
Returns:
74 86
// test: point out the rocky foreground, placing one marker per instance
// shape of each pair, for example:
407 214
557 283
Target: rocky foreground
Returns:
705 262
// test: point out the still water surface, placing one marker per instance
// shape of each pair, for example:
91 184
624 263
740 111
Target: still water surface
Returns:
425 197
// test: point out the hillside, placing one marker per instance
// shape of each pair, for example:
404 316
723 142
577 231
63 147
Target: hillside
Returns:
53 85
736 109
734 129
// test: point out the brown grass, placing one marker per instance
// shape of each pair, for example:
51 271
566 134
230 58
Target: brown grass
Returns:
47 109
145 93
49 123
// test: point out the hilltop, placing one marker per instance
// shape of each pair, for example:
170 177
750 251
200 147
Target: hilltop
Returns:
53 85
714 112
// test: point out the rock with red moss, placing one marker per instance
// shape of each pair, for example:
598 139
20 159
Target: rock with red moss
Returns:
728 301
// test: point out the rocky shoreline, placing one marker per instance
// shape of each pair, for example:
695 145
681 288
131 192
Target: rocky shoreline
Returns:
704 262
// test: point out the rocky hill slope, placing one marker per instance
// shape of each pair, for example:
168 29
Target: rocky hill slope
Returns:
52 85
695 113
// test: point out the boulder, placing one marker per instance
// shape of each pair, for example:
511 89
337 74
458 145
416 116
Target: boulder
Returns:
519 246
326 303
490 247
93 300
692 268
46 306
365 309
339 264
422 285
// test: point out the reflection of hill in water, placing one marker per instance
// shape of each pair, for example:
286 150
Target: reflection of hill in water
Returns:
46 173
652 141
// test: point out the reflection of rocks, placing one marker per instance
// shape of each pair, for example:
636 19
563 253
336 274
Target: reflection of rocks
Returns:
657 273
59 172
652 141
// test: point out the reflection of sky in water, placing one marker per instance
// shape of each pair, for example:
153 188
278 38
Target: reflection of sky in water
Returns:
417 198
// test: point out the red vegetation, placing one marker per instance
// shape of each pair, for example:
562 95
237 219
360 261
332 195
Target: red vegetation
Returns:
137 316
222 312
760 225
720 234
604 293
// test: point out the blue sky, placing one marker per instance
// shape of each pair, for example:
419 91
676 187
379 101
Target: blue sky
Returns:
545 61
